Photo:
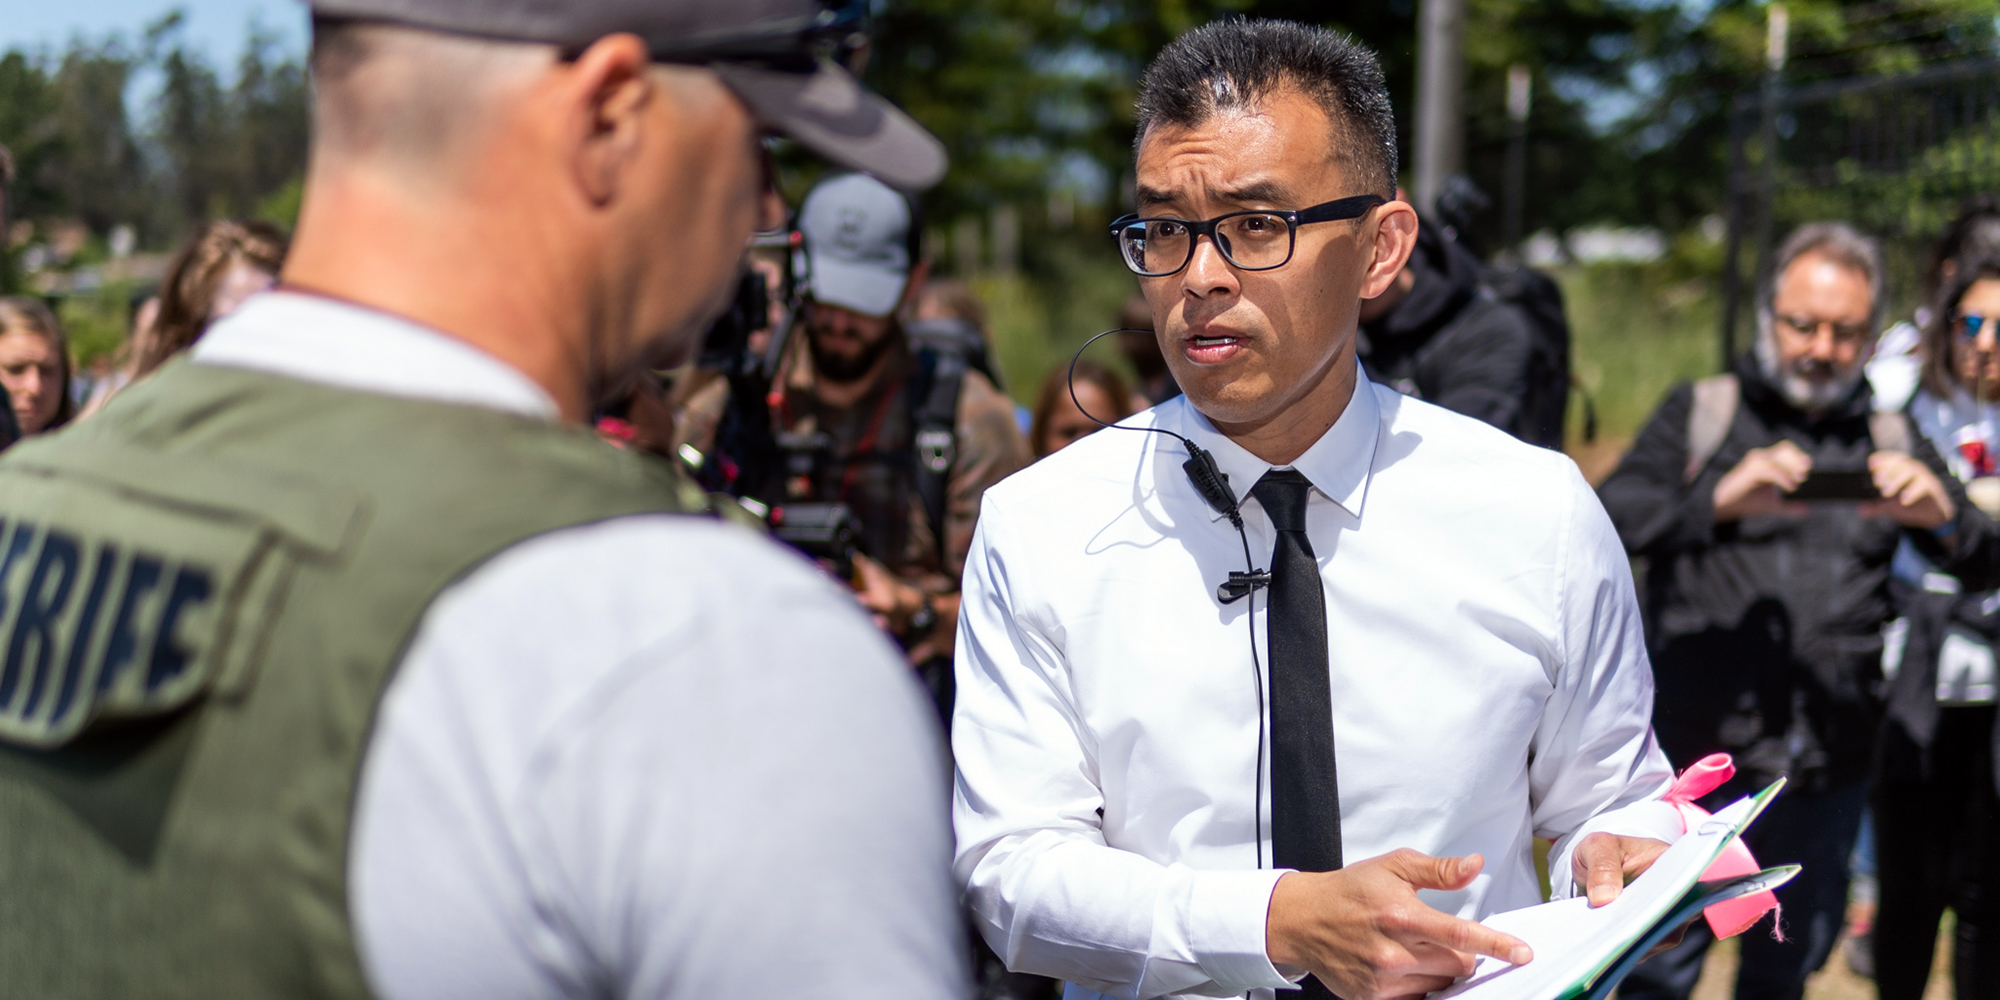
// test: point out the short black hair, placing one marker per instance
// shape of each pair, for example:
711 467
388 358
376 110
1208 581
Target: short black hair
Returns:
1231 64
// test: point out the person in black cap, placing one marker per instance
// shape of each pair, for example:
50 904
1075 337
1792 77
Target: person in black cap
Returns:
354 664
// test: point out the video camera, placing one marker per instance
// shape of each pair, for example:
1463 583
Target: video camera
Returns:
746 460
826 532
728 346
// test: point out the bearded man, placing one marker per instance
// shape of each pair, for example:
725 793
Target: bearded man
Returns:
908 435
1764 610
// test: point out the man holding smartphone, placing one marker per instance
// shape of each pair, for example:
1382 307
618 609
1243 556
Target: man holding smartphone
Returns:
1769 503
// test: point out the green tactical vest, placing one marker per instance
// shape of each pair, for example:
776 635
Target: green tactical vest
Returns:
203 591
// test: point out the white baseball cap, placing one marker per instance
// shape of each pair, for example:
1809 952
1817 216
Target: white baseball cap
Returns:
857 243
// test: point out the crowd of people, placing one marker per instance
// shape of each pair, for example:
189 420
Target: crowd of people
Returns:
1777 629
1780 626
409 686
206 279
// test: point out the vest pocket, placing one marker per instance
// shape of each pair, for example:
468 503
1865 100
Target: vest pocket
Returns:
128 591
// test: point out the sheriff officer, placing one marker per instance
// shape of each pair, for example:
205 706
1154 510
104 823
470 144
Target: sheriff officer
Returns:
340 658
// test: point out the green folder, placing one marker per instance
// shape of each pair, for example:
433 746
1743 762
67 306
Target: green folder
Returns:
1699 898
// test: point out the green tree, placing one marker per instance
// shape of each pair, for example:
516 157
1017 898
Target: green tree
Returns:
93 167
224 150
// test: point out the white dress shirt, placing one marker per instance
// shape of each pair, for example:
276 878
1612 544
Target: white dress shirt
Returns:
655 757
1489 685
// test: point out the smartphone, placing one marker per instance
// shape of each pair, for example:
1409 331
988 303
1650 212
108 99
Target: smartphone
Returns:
1830 485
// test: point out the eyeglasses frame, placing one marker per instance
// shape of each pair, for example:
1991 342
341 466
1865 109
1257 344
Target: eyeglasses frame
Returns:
1338 210
1859 337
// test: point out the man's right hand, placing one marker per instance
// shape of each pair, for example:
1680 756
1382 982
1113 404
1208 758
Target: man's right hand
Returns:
1758 483
1365 934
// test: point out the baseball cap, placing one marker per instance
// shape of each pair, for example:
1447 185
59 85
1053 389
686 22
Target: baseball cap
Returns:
857 242
771 53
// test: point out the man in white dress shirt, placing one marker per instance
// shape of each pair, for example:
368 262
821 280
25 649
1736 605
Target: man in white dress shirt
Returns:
390 679
1125 812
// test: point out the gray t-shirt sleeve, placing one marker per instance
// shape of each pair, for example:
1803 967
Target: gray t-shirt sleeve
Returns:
660 758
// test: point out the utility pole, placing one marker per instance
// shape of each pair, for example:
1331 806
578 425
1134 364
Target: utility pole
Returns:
1520 94
1440 97
1777 31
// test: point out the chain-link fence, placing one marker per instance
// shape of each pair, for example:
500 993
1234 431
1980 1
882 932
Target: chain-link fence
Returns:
1895 155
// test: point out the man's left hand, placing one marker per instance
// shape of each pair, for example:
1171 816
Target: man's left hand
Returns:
1912 496
1604 862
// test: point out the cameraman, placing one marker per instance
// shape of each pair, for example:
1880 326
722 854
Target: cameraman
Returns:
907 437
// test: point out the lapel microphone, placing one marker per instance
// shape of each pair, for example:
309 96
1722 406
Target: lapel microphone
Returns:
1213 486
1209 481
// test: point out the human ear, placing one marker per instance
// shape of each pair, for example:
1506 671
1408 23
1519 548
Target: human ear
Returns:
609 93
1395 239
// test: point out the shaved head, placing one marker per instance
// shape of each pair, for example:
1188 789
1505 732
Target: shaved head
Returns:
514 196
410 96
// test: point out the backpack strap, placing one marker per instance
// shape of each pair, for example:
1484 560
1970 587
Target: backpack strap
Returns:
933 398
1889 431
1714 410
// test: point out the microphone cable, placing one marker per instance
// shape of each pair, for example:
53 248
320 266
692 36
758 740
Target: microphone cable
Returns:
1212 484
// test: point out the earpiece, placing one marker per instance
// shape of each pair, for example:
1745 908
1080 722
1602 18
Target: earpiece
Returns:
1209 481
1213 486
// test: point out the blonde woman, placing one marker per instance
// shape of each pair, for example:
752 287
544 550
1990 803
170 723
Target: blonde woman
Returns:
35 365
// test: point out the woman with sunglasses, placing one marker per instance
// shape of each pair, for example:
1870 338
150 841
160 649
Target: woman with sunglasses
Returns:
1937 805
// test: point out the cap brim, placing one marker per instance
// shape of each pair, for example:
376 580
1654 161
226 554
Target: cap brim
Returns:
868 289
830 113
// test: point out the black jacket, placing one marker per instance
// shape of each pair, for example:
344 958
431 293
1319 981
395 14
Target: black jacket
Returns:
1450 342
1765 633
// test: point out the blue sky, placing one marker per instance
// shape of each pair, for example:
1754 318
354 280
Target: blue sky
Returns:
218 27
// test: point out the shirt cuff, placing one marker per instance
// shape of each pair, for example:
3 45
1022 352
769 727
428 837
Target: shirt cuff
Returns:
1226 929
1652 819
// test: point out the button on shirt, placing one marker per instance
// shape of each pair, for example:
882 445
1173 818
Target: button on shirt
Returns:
656 756
1489 680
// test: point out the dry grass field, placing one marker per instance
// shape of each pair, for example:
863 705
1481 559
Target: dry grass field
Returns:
1835 982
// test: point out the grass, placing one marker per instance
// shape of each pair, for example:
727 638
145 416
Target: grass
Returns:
1635 332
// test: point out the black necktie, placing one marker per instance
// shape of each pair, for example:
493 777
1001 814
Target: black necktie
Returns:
1305 795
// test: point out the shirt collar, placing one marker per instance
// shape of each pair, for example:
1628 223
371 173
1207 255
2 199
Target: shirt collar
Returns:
1338 464
317 339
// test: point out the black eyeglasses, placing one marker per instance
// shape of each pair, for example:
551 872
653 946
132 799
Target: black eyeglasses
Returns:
1808 326
1249 241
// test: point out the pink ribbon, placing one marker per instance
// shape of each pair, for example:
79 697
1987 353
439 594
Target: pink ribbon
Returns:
1732 917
